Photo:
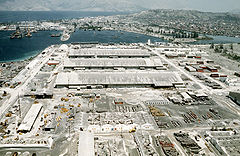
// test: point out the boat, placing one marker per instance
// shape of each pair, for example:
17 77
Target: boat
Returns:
65 36
17 34
115 36
55 35
28 34
34 31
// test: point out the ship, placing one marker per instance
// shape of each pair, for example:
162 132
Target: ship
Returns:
65 36
16 35
28 33
34 31
55 35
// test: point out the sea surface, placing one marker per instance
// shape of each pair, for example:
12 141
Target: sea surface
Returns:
219 40
20 49
16 16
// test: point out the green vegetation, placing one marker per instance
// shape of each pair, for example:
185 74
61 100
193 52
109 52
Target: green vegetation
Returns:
204 38
231 46
226 52
212 46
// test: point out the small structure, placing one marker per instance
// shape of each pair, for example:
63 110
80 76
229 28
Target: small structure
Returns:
63 47
171 55
214 75
209 61
203 66
235 96
198 57
190 69
175 100
181 54
119 101
198 68
53 62
237 74
201 95
41 94
212 69
186 97
200 62
191 55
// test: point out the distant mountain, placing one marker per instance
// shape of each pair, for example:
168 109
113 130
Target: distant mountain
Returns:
236 11
89 5
72 5
183 15
118 5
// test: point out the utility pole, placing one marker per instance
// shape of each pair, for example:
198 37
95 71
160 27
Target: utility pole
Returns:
19 106
160 132
69 129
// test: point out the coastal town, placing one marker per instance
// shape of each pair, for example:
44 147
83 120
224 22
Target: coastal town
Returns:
172 25
171 98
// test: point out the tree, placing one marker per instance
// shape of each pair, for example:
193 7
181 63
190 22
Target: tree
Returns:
221 46
231 46
212 46
225 50
195 35
217 49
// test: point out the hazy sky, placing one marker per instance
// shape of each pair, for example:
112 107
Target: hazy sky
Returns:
214 5
202 5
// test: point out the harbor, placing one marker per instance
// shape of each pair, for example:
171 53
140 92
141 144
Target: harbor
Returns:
11 50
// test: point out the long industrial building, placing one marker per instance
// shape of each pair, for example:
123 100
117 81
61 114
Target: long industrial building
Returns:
86 144
108 53
103 63
118 79
30 118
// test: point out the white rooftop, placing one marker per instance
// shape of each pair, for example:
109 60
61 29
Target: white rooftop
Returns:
86 144
108 52
102 62
30 118
117 78
63 47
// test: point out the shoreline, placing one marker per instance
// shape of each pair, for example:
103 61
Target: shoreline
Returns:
163 37
27 58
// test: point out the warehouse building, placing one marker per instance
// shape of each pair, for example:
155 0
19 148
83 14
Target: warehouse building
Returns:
109 53
186 97
118 79
30 118
86 144
103 63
